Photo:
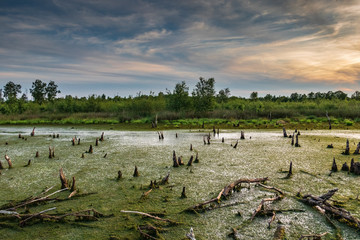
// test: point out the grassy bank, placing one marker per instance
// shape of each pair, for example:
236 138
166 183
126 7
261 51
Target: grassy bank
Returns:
309 122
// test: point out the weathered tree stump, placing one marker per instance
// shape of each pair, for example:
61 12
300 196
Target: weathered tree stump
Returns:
218 131
242 135
50 154
330 146
97 142
357 150
176 135
175 161
73 141
214 131
292 139
64 181
196 158
190 161
82 155
208 139
204 140
236 144
357 168
37 154
57 135
183 193
7 158
73 186
136 173
119 175
334 167
284 132
53 152
28 164
222 140
345 167
297 141
105 155
298 133
102 136
33 132
90 149
191 148
165 180
290 171
347 148
180 161
79 141
352 165
53 135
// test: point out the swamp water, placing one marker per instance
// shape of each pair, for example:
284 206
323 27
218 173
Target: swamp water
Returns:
266 154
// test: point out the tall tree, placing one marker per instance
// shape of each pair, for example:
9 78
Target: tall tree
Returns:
38 91
203 94
223 95
11 91
179 99
254 95
51 90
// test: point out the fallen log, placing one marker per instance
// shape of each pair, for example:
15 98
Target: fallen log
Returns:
261 205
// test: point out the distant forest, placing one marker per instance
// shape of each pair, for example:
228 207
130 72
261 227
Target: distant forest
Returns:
202 102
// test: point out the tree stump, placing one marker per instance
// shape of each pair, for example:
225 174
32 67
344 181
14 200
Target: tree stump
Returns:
73 187
64 181
347 148
357 150
175 161
236 144
176 135
330 146
50 154
242 135
37 154
97 142
196 158
136 173
57 135
190 161
290 171
82 155
214 131
297 141
79 141
90 149
279 233
284 132
357 168
119 175
292 139
352 165
73 141
345 167
183 194
19 135
222 140
53 152
334 167
33 132
191 148
180 161
102 136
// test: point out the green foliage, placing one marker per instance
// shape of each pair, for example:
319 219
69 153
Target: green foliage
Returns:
203 95
38 91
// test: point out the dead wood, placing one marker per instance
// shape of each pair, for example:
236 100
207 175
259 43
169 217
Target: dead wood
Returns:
136 173
180 161
261 206
1 166
272 219
28 164
37 154
242 135
73 141
119 175
165 180
73 186
102 136
79 141
290 171
150 216
334 211
191 148
190 160
334 167
313 236
96 143
50 154
33 132
64 181
284 132
183 193
72 194
345 167
145 194
347 148
90 149
272 188
145 235
7 158
175 161
236 144
53 152
222 140
196 158
292 139
297 141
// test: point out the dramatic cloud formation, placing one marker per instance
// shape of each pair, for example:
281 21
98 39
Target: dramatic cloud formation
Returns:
123 47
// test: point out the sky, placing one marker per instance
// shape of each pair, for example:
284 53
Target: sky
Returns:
127 47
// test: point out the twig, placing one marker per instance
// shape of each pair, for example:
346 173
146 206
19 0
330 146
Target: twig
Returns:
150 216
22 223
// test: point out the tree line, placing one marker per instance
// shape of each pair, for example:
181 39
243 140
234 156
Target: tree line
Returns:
202 101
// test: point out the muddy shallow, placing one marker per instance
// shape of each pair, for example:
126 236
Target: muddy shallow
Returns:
266 154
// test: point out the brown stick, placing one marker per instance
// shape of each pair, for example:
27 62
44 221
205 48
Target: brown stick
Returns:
261 205
150 216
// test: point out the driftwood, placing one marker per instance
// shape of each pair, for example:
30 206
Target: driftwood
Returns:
150 216
7 158
261 205
145 194
225 192
336 212
64 181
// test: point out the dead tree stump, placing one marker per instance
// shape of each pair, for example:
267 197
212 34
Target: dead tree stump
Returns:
136 173
347 148
242 135
290 171
357 150
102 136
37 154
334 167
190 161
236 144
73 141
19 135
297 141
345 167
196 158
284 132
352 165
33 132
279 233
214 131
183 193
176 135
53 152
64 181
79 141
357 168
97 142
119 175
191 148
222 140
175 161
50 154
82 155
73 187
292 139
90 149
